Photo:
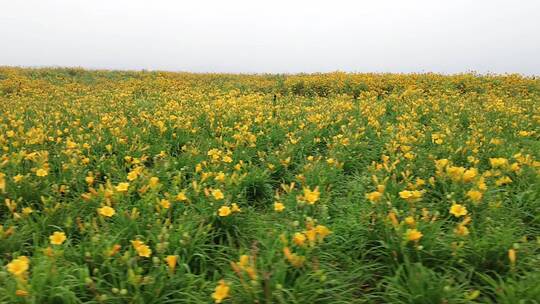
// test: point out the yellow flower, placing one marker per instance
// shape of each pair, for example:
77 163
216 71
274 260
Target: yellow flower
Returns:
221 292
482 184
122 187
437 138
279 207
411 196
498 162
41 172
21 293
136 243
252 272
455 173
374 196
469 174
224 211
299 239
181 197
311 196
217 194
19 266
474 195
89 180
165 203
322 231
461 230
503 181
171 262
524 133
2 182
409 155
27 210
458 210
132 175
393 218
144 251
244 261
413 235
311 235
235 208
114 250
154 182
57 238
441 163
495 141
17 178
514 167
106 211
220 177
294 259
214 153
409 220
512 256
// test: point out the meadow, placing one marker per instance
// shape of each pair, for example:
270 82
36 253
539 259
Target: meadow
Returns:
158 187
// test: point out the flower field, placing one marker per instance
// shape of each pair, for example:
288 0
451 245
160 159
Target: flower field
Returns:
156 187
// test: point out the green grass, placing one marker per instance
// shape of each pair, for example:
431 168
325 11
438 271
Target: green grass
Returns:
346 135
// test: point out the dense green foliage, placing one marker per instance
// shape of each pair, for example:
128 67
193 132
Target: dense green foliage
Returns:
154 187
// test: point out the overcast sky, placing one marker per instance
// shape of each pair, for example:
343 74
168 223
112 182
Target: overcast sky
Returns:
274 36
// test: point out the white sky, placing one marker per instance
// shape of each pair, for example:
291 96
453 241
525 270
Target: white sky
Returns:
274 36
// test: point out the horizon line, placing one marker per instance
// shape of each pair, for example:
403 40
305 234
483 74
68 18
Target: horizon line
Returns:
180 71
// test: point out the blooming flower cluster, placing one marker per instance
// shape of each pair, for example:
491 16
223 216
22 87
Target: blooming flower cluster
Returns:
325 188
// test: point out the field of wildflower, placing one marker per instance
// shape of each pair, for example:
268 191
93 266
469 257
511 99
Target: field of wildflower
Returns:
157 187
